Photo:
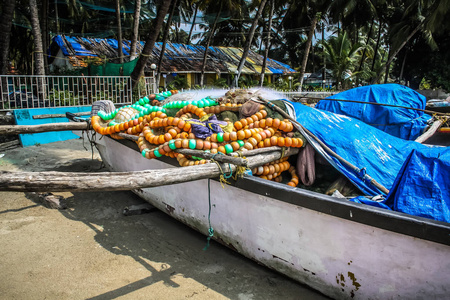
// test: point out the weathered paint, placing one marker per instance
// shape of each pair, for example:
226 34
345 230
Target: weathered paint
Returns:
339 257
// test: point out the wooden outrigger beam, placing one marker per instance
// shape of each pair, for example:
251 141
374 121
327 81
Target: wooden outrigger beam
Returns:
117 181
23 129
432 130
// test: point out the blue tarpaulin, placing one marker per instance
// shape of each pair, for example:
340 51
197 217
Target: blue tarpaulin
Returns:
404 123
422 186
416 175
375 152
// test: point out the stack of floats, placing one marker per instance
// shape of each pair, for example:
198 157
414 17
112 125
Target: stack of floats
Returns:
161 131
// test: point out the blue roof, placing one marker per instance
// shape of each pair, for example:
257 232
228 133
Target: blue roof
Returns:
177 57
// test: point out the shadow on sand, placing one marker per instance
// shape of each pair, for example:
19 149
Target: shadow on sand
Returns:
157 239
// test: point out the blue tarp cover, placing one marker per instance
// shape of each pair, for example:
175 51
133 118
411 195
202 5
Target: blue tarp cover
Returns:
417 175
422 186
379 154
405 123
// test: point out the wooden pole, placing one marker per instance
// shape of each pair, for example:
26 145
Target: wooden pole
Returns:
258 151
47 116
218 157
117 181
432 130
22 129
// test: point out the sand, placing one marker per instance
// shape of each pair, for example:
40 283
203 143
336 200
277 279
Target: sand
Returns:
92 251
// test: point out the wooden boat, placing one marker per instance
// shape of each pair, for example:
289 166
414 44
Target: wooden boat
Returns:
340 248
439 105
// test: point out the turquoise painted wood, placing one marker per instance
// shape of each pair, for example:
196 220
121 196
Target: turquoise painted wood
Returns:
25 117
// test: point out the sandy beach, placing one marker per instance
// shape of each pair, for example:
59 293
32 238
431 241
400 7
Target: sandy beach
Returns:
92 251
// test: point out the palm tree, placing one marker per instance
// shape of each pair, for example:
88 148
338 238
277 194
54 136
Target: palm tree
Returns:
430 13
196 4
150 42
45 30
38 49
266 50
119 32
134 38
211 33
314 9
249 39
341 55
213 7
165 35
5 31
314 21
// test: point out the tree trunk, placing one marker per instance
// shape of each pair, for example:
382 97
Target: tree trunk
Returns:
312 28
56 17
193 24
376 48
38 50
134 38
430 12
266 51
117 181
394 54
150 42
205 55
403 64
119 32
45 32
163 46
386 74
249 39
36 28
26 129
365 48
5 33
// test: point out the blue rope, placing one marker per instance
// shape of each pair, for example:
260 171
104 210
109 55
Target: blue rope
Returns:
210 229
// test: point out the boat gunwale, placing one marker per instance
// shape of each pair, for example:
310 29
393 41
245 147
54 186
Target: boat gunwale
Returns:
398 222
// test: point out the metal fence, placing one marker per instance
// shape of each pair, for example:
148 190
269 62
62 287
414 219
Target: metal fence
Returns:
17 91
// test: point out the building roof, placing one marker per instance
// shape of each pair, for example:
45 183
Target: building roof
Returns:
178 58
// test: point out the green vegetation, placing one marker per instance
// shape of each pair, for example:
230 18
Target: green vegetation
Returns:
363 42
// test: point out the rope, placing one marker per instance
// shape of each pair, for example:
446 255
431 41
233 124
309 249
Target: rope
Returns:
240 170
210 229
283 152
223 177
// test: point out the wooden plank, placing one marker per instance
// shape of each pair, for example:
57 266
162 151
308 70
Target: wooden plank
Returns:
22 129
9 145
116 181
9 119
48 116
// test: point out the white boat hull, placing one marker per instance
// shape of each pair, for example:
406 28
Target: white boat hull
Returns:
327 244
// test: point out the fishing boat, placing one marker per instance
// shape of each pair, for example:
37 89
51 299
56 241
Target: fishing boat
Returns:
439 105
341 248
